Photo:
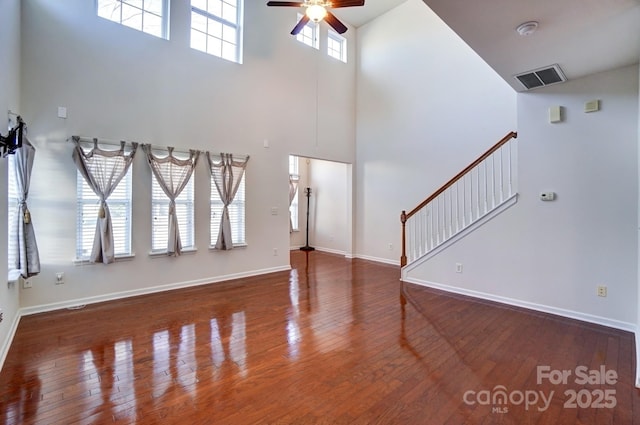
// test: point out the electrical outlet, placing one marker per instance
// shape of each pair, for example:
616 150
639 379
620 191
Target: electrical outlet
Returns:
602 291
458 267
26 284
275 252
390 247
59 278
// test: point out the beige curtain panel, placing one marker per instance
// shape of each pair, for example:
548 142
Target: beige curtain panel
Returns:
28 258
103 170
227 174
172 175
293 188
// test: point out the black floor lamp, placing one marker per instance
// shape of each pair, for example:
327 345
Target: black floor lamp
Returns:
307 192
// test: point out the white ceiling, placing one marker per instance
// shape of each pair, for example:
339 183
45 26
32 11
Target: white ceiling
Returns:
360 15
582 36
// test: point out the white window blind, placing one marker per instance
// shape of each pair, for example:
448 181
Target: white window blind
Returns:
160 216
309 34
216 28
88 206
12 202
293 208
236 214
149 16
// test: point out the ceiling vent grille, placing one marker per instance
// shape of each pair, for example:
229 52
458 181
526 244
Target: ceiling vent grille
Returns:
541 77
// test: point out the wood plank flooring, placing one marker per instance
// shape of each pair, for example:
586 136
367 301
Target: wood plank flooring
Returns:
334 341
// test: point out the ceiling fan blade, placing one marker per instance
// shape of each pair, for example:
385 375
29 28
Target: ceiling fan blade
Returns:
346 3
285 3
303 21
335 23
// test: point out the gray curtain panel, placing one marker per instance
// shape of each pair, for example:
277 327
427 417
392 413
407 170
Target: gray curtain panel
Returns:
103 170
172 175
293 188
28 258
227 174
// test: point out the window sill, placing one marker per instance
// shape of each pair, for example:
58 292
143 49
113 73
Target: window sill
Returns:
161 254
119 258
13 276
240 245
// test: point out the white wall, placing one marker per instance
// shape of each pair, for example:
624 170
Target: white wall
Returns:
554 254
328 218
118 83
427 107
9 99
638 260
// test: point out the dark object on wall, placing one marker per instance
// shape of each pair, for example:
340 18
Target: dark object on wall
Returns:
306 247
13 140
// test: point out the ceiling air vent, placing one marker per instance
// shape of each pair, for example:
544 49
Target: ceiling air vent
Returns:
541 77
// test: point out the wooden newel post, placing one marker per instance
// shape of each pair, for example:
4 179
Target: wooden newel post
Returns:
403 257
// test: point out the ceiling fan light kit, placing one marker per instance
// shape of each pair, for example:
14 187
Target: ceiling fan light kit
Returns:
318 10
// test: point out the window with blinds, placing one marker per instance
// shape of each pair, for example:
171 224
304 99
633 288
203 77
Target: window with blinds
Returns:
12 202
160 217
87 216
236 215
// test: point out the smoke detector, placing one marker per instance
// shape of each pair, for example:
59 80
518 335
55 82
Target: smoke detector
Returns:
527 28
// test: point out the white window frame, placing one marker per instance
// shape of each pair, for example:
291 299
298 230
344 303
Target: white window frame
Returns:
88 205
160 215
237 215
294 208
309 34
114 10
217 19
340 52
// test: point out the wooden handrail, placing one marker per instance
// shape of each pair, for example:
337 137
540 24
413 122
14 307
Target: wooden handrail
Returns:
405 216
505 139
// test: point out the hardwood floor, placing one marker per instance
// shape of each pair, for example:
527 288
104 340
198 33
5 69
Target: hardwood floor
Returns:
333 341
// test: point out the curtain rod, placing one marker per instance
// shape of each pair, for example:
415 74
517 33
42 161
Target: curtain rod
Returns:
177 150
239 156
86 139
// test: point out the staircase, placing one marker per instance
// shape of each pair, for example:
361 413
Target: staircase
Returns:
484 188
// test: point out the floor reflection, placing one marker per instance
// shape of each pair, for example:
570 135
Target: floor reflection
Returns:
178 354
326 342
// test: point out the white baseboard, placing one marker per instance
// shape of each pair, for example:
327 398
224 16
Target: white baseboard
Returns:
598 320
26 311
9 339
331 251
378 259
